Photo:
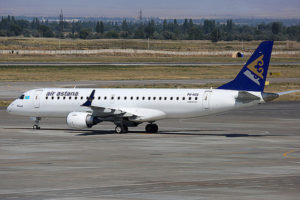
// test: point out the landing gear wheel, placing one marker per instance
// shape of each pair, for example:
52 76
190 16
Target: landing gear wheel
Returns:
151 128
118 129
121 129
36 127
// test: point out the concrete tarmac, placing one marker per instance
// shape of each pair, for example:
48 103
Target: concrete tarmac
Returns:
252 153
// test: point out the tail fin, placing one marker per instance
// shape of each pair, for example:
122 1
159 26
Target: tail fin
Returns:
253 75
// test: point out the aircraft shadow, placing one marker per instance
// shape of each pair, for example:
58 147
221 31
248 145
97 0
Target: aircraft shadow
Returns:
191 132
182 132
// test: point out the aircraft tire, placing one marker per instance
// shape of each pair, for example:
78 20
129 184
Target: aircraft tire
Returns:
36 127
119 129
151 128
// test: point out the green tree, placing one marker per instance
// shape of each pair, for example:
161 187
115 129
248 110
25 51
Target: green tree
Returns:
15 29
101 27
84 33
276 27
98 27
209 26
149 29
165 25
229 25
185 25
112 34
124 25
175 26
139 33
215 35
45 31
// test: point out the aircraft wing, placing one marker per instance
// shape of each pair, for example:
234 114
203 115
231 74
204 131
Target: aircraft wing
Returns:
134 114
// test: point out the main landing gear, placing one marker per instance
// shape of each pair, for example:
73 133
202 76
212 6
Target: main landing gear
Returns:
151 128
120 126
121 129
36 123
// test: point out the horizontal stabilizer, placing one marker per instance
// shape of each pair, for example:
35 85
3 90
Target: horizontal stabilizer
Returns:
287 92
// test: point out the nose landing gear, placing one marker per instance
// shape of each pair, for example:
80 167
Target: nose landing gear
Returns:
36 122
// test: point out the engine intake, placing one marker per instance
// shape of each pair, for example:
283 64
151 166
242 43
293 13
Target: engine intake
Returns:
80 120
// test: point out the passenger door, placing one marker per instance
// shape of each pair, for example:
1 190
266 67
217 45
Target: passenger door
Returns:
36 98
206 99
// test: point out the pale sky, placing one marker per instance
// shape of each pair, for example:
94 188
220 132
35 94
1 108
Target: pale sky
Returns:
154 8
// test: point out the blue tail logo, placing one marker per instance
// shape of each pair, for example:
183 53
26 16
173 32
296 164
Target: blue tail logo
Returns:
253 75
256 67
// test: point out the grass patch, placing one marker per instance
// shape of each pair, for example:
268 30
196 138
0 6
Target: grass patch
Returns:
15 43
70 73
108 72
4 103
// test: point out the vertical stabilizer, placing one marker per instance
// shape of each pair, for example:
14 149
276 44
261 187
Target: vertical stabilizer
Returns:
253 75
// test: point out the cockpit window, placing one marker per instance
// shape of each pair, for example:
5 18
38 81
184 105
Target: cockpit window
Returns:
22 96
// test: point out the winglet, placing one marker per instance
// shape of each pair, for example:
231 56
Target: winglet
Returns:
253 75
89 101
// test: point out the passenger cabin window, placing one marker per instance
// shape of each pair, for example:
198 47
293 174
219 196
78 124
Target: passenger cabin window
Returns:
22 96
131 98
165 98
143 98
46 97
125 98
80 98
75 98
137 98
52 98
99 98
190 98
149 98
171 98
196 98
64 98
154 98
57 97
105 98
177 98
159 98
183 98
119 98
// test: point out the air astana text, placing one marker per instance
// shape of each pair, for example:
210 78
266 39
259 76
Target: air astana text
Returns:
63 93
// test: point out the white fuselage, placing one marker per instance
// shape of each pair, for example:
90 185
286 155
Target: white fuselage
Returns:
154 104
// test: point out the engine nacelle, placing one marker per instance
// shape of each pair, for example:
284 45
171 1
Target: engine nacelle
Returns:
80 120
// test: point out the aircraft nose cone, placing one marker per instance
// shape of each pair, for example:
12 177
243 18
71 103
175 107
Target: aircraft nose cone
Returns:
9 108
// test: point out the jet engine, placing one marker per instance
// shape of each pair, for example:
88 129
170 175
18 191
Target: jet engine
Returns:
80 120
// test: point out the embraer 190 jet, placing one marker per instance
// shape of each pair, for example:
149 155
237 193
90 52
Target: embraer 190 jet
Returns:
86 107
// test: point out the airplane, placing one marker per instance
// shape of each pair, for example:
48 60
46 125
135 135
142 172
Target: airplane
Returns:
83 108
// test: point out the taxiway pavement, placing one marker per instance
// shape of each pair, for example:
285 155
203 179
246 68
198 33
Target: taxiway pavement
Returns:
252 153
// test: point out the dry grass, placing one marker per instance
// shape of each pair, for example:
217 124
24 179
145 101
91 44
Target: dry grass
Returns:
109 58
64 73
173 45
4 103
